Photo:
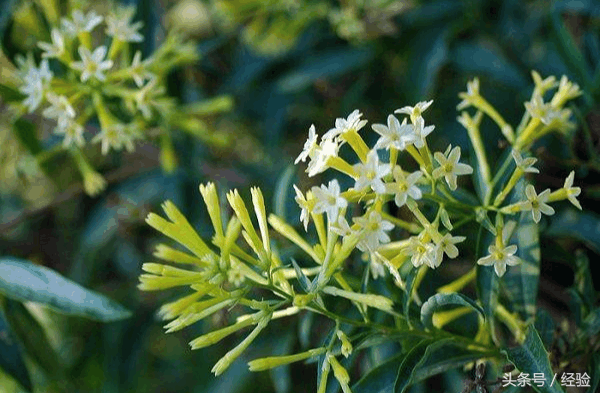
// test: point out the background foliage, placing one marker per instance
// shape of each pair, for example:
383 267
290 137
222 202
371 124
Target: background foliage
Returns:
287 66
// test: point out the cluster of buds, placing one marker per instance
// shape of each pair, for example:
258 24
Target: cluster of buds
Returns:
245 269
80 80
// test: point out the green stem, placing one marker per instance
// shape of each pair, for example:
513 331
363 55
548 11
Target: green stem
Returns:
409 226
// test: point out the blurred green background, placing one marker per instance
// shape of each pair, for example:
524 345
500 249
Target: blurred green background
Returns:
286 65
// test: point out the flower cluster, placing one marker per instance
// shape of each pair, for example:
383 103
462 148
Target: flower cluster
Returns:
398 177
378 182
80 80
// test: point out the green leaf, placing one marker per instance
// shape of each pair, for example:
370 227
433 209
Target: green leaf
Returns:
411 360
26 131
410 284
583 279
591 323
380 379
281 195
569 50
305 283
7 8
545 327
583 226
444 355
594 373
531 357
11 360
24 281
9 94
33 337
521 282
322 65
487 281
427 60
439 301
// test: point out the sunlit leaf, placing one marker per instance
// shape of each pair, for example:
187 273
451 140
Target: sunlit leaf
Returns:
24 281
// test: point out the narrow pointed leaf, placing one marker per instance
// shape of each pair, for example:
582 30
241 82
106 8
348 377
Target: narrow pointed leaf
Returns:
24 281
410 283
531 357
576 224
440 301
521 281
11 360
487 283
33 337
407 368
302 279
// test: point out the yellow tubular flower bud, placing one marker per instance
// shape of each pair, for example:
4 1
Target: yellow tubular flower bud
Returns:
217 335
179 229
211 199
198 311
230 356
167 253
376 301
340 373
259 207
276 361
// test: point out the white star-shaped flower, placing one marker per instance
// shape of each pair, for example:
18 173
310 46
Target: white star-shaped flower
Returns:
60 109
116 137
404 186
500 257
92 64
447 244
526 165
318 161
73 133
138 70
373 231
329 200
310 146
56 48
119 25
424 252
81 22
341 227
420 132
36 84
370 174
449 167
572 192
394 135
305 207
415 111
470 96
352 122
537 203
